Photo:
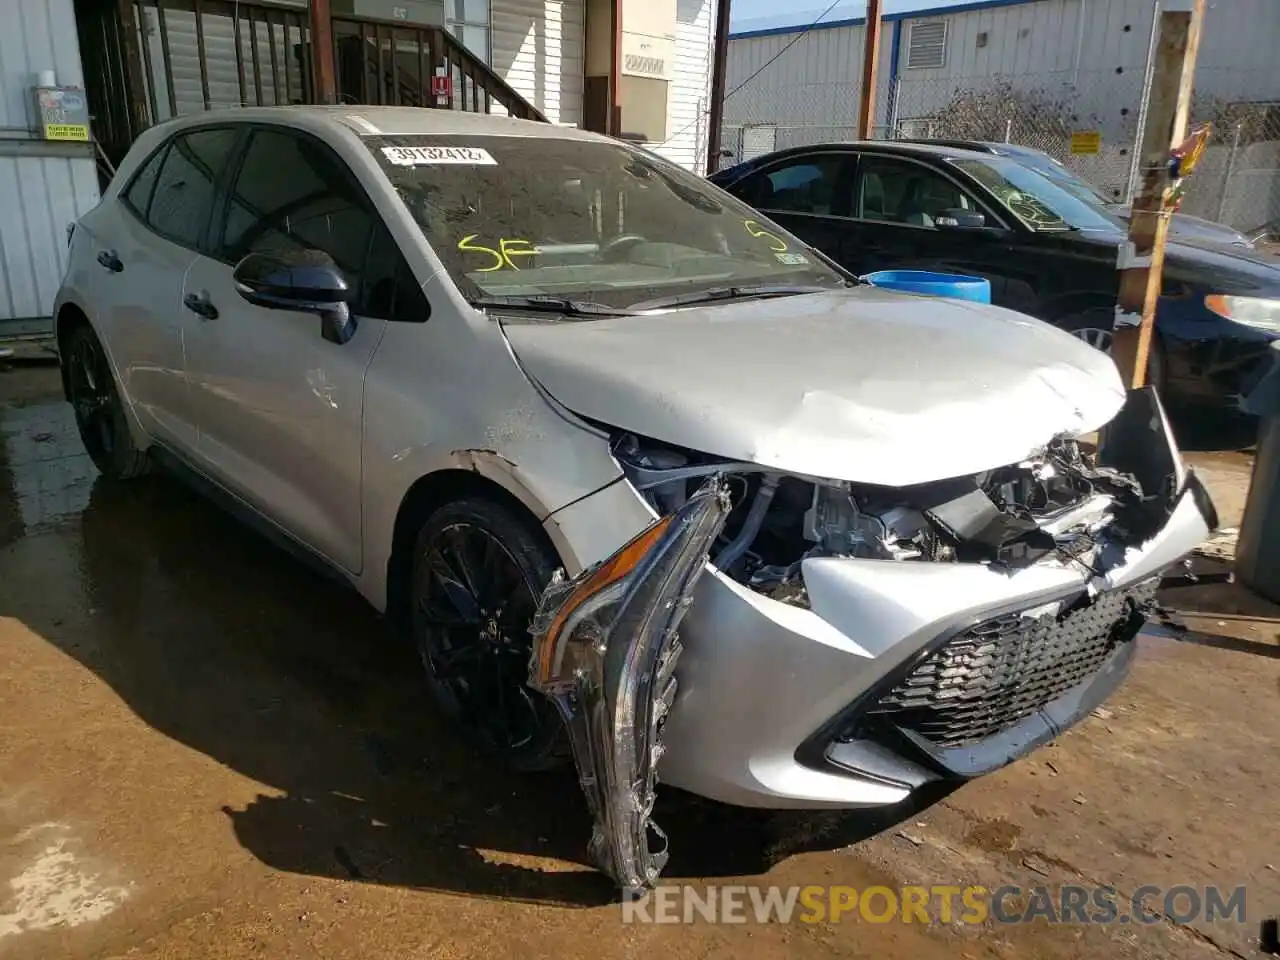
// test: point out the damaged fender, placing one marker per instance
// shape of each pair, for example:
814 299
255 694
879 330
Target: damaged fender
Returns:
604 651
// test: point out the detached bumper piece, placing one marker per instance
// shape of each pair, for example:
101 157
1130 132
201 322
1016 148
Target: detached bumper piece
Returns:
989 693
604 650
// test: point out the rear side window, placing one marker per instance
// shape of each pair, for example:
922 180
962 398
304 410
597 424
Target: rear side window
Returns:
184 190
808 184
138 196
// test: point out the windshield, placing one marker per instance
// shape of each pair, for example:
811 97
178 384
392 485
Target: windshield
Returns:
1060 174
592 222
1033 198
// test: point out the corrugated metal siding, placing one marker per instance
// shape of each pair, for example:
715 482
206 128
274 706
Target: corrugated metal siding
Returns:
816 82
39 195
689 92
1237 59
537 47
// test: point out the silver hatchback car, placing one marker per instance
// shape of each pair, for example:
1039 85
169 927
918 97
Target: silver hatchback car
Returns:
542 398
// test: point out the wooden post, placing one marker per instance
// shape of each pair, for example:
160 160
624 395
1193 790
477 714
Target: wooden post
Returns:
870 64
1142 263
326 86
719 69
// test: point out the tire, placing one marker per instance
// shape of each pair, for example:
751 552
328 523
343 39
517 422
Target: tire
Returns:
1095 328
99 411
479 569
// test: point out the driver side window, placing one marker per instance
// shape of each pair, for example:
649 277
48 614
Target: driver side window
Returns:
293 193
898 191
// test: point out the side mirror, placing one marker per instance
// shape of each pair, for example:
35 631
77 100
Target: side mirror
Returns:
957 219
306 281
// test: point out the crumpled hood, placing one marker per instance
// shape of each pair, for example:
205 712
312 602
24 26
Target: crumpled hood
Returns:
863 385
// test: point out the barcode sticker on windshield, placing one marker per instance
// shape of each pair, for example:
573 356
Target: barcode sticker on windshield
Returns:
431 156
792 259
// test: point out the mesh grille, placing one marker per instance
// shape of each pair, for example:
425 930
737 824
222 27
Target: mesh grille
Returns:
1002 670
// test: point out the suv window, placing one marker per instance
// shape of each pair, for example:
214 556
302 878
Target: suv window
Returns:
898 191
183 196
292 193
138 195
807 184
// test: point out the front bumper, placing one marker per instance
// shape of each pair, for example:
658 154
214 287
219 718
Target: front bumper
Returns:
770 695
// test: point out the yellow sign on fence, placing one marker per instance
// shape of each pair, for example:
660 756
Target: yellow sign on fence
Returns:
1084 142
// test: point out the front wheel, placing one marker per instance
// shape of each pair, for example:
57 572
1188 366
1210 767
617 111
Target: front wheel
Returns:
100 415
479 570
1095 329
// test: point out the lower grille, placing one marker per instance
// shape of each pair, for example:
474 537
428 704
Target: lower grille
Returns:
993 675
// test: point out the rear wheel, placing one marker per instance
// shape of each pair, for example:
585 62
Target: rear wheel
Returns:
479 570
100 414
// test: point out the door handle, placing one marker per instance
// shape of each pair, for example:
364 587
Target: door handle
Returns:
111 260
200 305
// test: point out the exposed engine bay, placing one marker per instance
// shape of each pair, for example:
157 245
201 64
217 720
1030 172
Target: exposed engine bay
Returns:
1057 506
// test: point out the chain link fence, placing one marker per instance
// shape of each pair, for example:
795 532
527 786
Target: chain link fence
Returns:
1090 121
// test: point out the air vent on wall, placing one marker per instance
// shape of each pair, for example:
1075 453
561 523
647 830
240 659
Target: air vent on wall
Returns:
927 45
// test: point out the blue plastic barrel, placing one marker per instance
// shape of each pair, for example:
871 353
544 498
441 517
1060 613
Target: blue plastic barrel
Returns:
932 284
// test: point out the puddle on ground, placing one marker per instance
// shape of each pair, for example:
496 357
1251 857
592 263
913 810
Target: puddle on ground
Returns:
45 474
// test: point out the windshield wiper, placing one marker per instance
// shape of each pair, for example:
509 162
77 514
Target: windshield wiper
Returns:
549 304
713 294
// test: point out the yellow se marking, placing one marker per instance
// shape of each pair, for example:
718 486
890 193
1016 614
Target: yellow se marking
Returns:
753 227
502 256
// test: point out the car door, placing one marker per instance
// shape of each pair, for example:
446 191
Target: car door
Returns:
899 222
144 245
808 193
280 409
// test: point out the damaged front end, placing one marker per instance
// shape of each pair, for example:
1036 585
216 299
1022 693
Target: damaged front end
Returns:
605 647
853 641
1060 505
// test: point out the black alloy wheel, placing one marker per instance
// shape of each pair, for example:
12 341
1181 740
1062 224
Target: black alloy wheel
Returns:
100 416
479 572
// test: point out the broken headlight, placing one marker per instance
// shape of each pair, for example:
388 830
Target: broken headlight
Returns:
604 650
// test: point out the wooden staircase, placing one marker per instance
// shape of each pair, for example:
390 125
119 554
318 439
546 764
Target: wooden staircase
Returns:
391 63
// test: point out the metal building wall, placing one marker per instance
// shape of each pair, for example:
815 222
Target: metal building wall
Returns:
43 186
817 81
1099 44
1088 57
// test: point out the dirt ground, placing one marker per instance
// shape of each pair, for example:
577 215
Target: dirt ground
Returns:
208 752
